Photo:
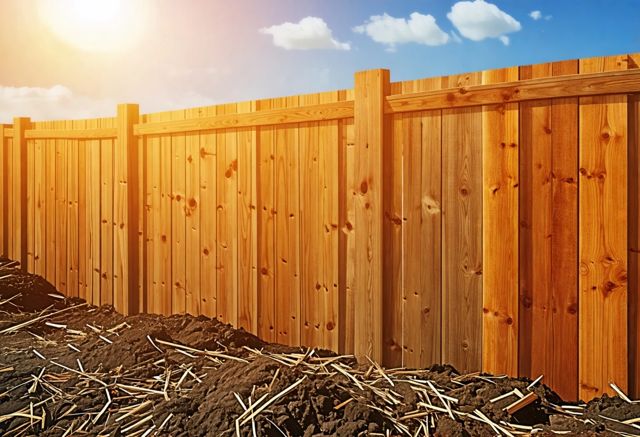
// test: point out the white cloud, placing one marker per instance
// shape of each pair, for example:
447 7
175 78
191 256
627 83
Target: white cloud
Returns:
536 15
54 103
310 33
504 39
390 31
478 20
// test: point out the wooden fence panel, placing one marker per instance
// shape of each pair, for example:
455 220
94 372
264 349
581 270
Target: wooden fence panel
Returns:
462 232
500 230
192 211
3 193
634 245
603 237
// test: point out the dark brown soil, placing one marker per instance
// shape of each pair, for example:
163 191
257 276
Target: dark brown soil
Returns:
204 400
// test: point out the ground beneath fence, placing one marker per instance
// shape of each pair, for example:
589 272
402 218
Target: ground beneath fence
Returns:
67 368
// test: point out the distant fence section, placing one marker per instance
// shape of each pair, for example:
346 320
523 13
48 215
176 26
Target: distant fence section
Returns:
488 220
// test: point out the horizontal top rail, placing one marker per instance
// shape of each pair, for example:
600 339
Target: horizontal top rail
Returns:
71 134
8 133
327 111
575 85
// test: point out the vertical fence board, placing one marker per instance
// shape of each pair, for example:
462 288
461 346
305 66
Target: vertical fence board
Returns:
164 272
602 237
21 195
370 89
106 221
39 221
11 204
208 212
247 225
72 215
227 220
266 229
83 218
3 193
153 240
61 212
462 232
500 230
178 219
192 209
287 223
31 210
94 178
634 245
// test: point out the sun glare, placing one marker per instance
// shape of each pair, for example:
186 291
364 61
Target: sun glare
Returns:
95 25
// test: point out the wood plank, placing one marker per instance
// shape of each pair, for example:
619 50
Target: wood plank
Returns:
106 220
61 213
10 197
312 264
178 219
263 117
192 211
39 219
500 231
371 87
247 226
602 238
83 217
21 223
162 266
94 183
512 90
208 212
462 232
266 229
634 246
74 132
4 234
287 233
227 221
31 207
72 215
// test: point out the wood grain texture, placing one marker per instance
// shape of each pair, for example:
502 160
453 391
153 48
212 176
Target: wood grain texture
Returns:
462 233
61 216
106 221
39 219
21 185
94 186
634 245
29 227
227 220
72 215
266 228
371 87
287 231
603 212
4 232
247 225
500 231
208 212
178 219
83 215
192 211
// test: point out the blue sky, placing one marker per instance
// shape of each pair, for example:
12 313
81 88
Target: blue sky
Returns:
79 58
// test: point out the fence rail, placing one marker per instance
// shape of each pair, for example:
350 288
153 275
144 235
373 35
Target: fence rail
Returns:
488 220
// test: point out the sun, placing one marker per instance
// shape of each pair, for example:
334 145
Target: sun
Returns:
95 25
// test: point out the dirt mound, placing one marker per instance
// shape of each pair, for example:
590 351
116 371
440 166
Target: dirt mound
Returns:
67 368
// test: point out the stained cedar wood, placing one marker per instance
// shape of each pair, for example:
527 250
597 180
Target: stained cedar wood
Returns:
10 196
370 89
208 212
500 231
266 229
31 210
72 215
61 212
178 218
328 165
287 225
94 185
39 221
247 225
226 220
462 232
634 245
21 160
120 212
548 236
414 225
83 216
193 206
602 237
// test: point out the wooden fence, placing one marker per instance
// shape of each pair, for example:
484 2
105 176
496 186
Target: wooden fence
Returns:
488 220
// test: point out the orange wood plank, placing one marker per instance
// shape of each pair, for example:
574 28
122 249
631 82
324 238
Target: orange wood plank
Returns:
106 220
94 183
61 213
72 216
266 229
31 207
162 266
603 237
208 212
178 219
226 221
370 89
83 218
4 234
634 245
287 237
500 231
39 220
247 226
192 211
462 232
154 232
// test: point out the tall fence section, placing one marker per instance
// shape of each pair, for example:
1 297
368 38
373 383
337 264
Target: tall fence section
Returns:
488 220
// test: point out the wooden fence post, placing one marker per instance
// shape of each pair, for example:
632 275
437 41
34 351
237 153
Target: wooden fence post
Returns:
19 186
3 194
371 88
126 199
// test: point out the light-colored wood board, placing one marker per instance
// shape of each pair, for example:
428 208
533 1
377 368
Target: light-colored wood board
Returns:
602 238
94 184
192 211
500 231
39 220
266 229
72 215
83 217
634 245
106 221
247 225
61 213
371 87
287 234
178 220
73 132
31 207
163 272
208 213
4 234
227 221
